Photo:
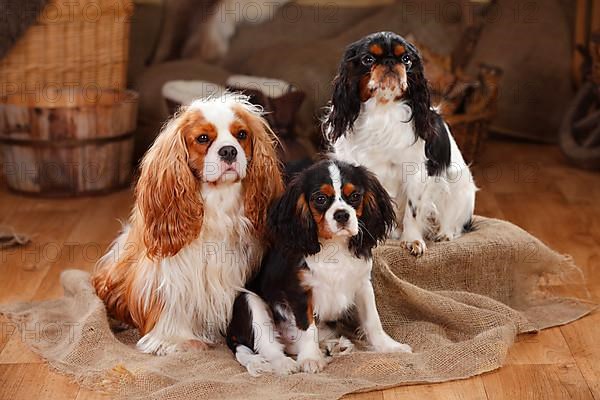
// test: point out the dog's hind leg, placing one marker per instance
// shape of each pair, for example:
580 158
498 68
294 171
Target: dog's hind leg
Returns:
430 216
252 337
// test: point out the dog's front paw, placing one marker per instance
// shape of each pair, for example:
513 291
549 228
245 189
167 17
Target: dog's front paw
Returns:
312 365
193 345
154 344
396 347
163 345
284 366
386 344
162 349
257 365
415 247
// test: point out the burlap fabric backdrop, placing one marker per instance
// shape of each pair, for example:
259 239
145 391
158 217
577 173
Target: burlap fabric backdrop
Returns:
460 307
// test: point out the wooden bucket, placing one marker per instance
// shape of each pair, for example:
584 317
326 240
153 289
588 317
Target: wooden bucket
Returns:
68 142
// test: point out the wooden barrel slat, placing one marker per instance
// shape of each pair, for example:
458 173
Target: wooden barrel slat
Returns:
70 147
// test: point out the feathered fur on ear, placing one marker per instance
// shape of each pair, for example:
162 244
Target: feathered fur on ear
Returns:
291 222
263 182
420 99
345 100
378 216
167 194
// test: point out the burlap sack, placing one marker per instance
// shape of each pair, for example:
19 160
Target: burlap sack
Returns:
460 306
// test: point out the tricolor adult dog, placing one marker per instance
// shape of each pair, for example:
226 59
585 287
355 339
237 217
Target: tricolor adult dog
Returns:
381 117
324 228
196 232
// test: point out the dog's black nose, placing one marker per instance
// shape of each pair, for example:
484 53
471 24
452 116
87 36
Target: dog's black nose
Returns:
228 154
341 216
390 62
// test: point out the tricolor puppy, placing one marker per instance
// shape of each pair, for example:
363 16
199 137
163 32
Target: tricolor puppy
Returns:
196 232
324 227
381 117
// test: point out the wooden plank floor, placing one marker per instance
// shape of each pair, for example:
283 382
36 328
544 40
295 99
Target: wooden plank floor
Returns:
528 184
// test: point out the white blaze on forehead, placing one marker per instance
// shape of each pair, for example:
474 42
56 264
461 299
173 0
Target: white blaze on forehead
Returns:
217 111
336 180
339 204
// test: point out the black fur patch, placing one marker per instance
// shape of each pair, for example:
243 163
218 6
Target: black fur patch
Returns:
345 100
278 283
437 147
413 209
239 331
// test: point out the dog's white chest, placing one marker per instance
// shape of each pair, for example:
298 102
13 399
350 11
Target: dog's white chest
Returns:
204 277
383 140
335 275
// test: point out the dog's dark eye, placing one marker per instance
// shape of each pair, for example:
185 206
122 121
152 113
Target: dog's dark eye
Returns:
367 60
320 199
406 59
202 139
355 197
242 135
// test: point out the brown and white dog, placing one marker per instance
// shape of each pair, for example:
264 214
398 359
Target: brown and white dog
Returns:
195 234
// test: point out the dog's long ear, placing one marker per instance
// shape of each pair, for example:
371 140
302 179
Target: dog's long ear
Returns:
167 194
291 223
420 98
345 99
378 217
263 182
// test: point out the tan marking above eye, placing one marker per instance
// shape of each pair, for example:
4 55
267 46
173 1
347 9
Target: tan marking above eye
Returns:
239 126
376 49
348 189
399 50
193 127
327 189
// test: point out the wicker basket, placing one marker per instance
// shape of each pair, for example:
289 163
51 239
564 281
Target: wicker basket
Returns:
470 126
82 43
470 132
68 143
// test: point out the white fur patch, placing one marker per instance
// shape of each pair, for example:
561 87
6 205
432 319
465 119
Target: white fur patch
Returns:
339 204
335 275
